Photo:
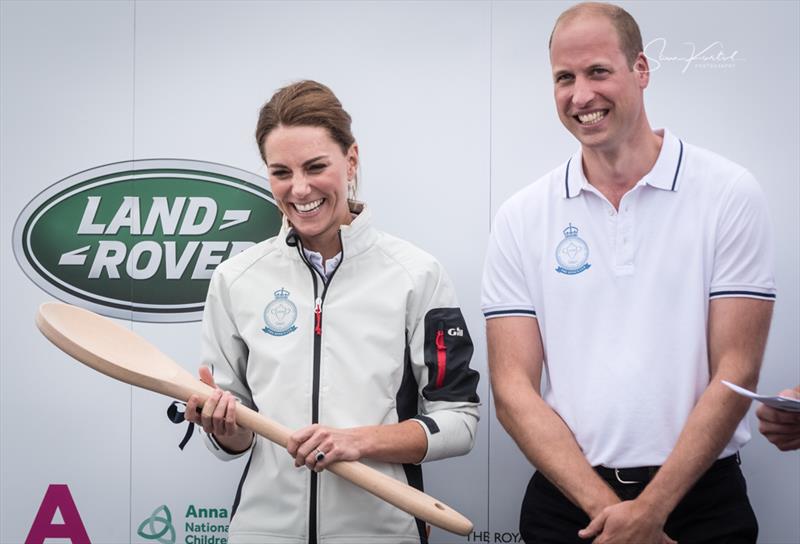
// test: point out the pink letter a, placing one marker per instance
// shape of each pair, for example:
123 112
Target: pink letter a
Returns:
57 497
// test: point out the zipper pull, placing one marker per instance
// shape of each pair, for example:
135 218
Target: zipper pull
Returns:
318 317
440 340
441 356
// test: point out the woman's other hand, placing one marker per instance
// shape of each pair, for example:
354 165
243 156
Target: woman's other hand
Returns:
218 416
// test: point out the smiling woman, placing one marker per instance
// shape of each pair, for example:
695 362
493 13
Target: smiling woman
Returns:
310 177
384 376
304 137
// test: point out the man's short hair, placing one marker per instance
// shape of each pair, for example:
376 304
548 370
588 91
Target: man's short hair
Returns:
630 38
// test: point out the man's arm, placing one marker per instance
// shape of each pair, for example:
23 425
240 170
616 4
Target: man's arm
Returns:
515 365
737 335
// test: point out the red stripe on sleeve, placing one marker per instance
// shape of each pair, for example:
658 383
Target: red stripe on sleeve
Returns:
441 358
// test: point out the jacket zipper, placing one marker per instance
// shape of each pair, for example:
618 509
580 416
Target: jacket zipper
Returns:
319 300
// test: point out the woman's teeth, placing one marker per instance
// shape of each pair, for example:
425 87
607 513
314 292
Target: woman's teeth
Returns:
311 206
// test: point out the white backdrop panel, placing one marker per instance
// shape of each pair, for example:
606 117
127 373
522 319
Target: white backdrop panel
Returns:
66 105
453 110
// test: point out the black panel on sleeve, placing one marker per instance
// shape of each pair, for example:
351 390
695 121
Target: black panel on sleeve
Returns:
448 351
408 393
241 483
407 397
430 423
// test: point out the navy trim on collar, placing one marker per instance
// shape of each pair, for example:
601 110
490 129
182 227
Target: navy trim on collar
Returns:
672 149
566 177
678 168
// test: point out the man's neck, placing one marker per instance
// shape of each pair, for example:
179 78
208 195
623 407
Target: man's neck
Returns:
616 171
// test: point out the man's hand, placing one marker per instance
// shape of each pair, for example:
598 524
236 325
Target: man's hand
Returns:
780 427
626 522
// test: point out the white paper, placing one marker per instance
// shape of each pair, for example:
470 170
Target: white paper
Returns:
779 403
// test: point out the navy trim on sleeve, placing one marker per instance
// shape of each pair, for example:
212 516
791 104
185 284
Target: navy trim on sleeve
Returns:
495 313
753 294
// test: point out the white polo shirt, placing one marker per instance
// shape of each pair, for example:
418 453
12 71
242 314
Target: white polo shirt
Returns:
621 298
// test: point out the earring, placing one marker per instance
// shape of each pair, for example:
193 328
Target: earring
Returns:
351 191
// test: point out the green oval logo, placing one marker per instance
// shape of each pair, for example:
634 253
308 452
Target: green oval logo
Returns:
139 239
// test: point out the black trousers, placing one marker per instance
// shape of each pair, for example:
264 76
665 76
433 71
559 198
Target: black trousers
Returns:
715 510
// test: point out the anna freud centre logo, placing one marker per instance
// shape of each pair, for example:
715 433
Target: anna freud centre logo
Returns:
139 239
201 525
158 526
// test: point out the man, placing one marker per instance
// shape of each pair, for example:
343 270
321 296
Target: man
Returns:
633 278
781 427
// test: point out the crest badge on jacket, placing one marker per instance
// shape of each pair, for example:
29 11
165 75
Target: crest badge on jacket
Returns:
280 314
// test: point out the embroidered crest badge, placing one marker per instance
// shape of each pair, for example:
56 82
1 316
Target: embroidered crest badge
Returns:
572 253
280 314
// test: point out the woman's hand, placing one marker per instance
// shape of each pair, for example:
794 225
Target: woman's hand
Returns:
317 447
218 416
403 442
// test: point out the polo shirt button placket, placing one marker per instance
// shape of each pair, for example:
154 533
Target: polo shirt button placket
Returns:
629 236
624 249
613 227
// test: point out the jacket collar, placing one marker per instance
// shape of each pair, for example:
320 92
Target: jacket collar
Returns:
356 237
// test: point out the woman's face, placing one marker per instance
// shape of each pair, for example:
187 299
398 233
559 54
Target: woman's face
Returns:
308 174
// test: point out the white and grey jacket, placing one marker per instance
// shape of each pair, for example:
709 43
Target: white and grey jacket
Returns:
382 341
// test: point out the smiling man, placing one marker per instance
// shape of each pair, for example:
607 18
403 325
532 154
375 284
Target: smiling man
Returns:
633 278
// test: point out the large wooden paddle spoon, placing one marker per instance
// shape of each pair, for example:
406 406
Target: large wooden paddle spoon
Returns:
118 352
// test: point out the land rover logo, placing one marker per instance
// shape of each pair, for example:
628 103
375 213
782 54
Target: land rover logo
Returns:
139 239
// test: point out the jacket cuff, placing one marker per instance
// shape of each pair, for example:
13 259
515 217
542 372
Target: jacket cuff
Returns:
449 434
220 451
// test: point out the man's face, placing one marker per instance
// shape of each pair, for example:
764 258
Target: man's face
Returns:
598 96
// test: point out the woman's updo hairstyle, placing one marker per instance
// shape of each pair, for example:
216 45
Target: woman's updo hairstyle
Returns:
305 103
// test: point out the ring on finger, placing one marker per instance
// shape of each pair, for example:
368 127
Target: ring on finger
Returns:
319 455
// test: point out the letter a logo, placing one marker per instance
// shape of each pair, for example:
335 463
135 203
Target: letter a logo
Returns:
57 498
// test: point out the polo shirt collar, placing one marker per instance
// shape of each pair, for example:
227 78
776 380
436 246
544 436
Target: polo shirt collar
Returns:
664 175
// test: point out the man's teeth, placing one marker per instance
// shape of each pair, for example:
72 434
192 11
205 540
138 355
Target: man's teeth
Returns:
310 206
591 118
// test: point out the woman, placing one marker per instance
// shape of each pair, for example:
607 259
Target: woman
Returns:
334 328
